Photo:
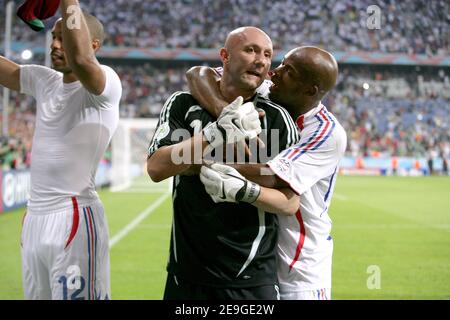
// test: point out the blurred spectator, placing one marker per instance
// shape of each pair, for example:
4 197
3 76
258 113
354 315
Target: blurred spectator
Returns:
419 26
403 111
444 164
386 110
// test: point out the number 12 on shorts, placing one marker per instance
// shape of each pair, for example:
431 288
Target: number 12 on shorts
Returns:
73 282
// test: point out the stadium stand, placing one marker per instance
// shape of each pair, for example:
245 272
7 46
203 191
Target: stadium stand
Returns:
402 111
419 26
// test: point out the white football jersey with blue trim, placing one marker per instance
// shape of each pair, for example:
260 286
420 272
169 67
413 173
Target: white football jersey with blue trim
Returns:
310 167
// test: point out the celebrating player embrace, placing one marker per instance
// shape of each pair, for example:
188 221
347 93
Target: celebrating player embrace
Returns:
308 169
220 250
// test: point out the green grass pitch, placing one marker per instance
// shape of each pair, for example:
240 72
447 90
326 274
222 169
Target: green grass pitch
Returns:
399 227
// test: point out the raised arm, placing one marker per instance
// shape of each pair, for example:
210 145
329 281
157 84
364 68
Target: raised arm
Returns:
80 48
9 74
203 85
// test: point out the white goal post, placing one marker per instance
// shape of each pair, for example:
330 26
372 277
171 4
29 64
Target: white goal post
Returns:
129 151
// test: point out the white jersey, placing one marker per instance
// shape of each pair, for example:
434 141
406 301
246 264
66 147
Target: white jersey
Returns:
305 245
73 129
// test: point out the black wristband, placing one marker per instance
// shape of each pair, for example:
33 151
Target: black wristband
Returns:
249 192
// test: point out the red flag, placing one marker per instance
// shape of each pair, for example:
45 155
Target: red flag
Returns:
32 12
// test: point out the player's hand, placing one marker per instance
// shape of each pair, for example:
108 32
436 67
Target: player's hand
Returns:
236 123
226 184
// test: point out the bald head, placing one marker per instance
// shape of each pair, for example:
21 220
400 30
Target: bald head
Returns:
304 77
316 67
243 34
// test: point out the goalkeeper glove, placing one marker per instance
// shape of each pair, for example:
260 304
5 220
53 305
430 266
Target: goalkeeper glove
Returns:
226 184
236 123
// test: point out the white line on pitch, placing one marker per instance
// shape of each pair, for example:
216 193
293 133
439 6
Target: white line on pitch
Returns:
154 226
133 224
340 197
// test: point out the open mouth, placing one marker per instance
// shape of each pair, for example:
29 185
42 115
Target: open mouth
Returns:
273 87
254 73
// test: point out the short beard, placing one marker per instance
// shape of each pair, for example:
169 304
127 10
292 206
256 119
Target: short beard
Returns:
248 85
65 69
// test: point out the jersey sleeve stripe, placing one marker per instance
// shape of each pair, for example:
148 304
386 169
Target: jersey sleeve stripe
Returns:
218 71
165 113
314 136
292 136
163 118
333 124
329 126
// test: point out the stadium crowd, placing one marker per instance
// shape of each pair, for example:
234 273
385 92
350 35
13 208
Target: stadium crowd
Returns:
399 111
419 26
386 110
15 150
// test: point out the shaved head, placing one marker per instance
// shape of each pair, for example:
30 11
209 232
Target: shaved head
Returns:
304 77
243 34
316 66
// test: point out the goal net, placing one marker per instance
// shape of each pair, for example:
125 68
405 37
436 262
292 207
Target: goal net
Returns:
129 157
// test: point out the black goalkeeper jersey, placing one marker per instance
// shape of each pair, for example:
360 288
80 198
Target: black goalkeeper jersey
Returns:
219 244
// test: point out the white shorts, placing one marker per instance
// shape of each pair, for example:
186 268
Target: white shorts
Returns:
319 294
65 253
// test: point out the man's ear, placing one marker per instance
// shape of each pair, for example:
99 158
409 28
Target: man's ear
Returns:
224 55
96 45
312 91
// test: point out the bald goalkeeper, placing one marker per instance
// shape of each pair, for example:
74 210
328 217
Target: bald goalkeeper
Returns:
222 251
